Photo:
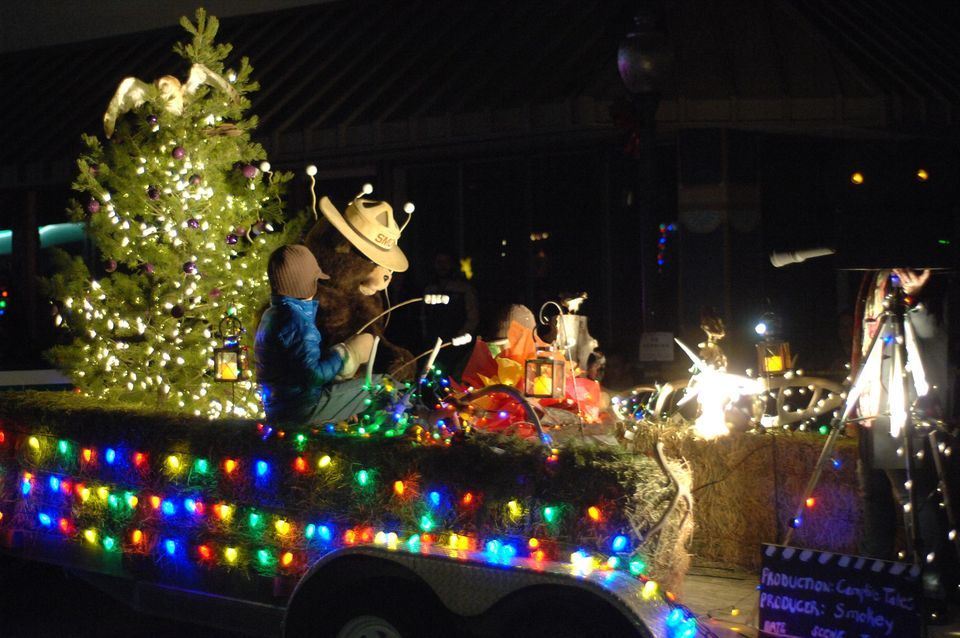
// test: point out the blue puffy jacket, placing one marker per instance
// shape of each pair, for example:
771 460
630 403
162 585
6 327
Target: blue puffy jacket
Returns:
291 368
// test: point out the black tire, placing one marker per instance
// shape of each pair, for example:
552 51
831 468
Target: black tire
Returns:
388 610
552 612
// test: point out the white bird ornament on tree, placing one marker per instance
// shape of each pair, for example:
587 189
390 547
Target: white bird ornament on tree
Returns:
133 92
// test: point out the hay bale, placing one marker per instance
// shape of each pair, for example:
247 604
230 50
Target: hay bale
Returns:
748 486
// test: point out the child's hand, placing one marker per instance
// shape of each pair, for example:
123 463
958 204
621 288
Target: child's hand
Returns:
360 346
355 351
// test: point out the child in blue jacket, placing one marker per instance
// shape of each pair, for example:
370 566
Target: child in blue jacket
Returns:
301 383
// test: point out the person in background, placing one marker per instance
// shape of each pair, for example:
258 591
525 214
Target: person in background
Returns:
880 469
301 383
458 317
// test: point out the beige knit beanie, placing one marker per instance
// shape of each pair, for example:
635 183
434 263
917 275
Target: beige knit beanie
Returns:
293 271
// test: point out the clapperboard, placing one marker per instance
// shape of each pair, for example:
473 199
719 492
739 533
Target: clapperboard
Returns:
810 594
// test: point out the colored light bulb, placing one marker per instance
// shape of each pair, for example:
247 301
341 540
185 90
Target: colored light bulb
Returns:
229 466
173 462
110 455
139 459
363 477
91 536
550 514
620 543
594 513
434 499
398 488
34 442
205 552
324 461
202 466
467 498
254 519
287 559
136 536
263 468
300 464
309 531
231 554
426 523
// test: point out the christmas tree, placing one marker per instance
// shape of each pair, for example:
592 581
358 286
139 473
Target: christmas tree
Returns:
184 212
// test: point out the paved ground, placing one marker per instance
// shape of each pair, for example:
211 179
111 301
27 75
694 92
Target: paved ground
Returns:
40 601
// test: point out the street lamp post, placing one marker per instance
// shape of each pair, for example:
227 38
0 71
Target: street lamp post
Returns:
644 58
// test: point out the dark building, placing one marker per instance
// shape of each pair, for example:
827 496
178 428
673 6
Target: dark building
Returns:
509 126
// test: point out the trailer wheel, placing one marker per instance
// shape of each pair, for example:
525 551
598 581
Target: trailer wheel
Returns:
384 610
368 626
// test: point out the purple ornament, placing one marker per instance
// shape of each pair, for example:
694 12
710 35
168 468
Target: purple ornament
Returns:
179 153
193 223
190 268
152 119
231 239
148 268
215 293
195 179
177 311
93 206
249 171
110 265
153 193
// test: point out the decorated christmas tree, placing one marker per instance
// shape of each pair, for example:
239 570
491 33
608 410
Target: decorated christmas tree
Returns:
184 212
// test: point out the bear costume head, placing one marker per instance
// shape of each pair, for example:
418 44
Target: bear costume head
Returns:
359 251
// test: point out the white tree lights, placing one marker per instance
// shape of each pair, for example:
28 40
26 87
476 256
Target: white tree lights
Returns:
182 220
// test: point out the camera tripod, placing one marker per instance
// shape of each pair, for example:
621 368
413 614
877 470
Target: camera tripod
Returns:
893 366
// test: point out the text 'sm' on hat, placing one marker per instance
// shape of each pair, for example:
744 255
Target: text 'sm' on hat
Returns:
369 226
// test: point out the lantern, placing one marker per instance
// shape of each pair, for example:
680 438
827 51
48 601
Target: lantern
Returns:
773 357
229 360
543 378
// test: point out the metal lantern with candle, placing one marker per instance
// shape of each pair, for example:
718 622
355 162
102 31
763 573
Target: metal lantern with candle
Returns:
229 360
543 378
773 353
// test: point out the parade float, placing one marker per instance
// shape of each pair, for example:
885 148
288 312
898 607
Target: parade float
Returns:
440 505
